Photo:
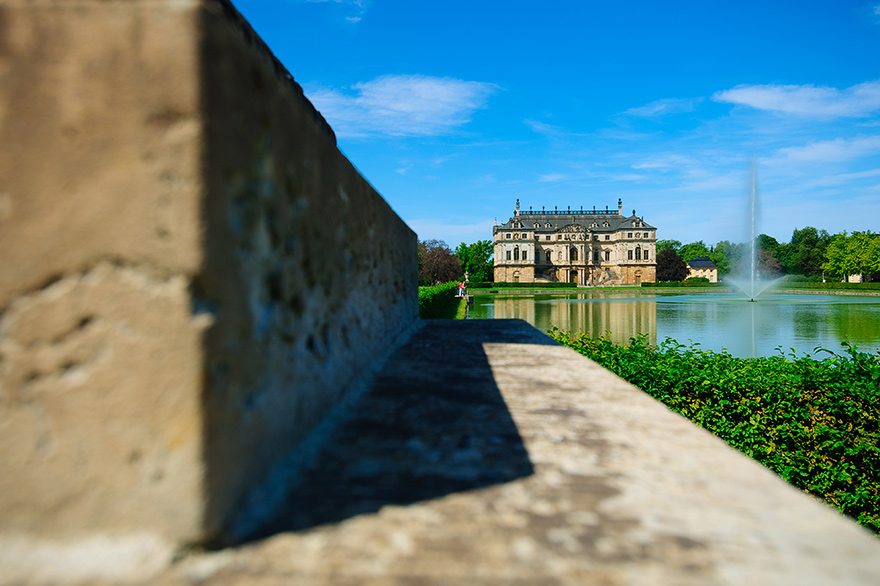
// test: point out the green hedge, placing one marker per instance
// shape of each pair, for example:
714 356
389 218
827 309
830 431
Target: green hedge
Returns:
691 282
508 285
812 421
438 301
831 286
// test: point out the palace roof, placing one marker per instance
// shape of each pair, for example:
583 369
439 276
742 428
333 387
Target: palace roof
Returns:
596 220
702 262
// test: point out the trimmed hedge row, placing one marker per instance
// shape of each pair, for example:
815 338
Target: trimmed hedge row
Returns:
692 282
438 301
831 286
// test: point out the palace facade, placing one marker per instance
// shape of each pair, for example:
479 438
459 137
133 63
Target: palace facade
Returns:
587 247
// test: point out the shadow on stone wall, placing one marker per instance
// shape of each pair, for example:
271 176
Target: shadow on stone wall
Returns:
434 423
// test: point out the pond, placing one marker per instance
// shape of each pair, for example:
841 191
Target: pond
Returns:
715 320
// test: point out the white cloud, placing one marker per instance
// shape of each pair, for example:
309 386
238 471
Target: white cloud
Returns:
809 100
402 105
359 7
828 151
551 178
841 178
665 106
667 161
544 128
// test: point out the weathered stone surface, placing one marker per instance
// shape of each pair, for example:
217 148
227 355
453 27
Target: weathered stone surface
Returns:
192 273
487 454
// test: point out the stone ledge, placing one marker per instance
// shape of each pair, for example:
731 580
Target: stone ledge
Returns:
487 454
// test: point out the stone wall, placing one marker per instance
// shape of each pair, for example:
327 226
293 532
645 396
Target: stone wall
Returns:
192 273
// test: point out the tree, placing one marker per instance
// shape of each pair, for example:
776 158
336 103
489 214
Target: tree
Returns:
689 252
476 260
670 266
662 245
768 257
769 267
806 252
724 255
437 263
853 254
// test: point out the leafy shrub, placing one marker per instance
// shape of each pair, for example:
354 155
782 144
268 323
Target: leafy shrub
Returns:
813 421
802 279
696 281
832 286
438 301
691 282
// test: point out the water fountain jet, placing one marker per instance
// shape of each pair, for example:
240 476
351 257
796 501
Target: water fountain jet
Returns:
749 287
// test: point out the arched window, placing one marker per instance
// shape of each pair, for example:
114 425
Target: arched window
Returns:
573 253
638 253
516 253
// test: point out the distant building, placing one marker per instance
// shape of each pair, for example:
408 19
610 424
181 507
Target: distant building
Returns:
703 267
583 246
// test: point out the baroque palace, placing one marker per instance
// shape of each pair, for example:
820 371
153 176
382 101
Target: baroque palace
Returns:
587 247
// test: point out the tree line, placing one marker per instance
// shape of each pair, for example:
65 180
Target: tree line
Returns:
811 253
440 264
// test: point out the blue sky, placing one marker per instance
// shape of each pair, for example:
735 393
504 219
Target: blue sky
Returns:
454 109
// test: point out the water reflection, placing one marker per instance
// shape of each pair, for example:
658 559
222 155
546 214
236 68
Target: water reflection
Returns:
619 316
714 320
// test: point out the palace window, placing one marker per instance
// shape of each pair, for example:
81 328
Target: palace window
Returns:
646 255
629 234
638 253
595 236
596 256
573 253
508 236
516 253
525 236
547 237
629 254
549 256
508 255
607 255
608 237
